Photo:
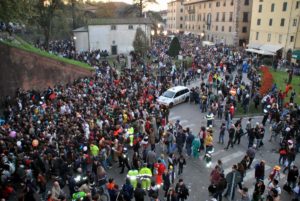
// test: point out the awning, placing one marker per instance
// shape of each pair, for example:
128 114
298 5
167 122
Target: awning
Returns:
262 52
296 54
271 48
254 46
208 43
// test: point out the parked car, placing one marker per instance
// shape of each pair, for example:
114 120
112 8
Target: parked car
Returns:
174 96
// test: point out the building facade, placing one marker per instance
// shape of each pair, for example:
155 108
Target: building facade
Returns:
219 21
175 16
275 26
116 36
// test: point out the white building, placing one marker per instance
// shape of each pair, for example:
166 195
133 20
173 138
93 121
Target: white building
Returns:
114 35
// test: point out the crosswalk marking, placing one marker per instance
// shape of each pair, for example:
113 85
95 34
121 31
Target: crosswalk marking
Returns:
229 157
174 118
183 122
188 125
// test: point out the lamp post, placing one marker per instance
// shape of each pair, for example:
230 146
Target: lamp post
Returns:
202 36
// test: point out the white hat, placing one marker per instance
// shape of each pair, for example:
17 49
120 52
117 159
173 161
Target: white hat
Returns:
288 129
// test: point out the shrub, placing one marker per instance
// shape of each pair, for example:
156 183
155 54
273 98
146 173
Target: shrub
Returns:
267 80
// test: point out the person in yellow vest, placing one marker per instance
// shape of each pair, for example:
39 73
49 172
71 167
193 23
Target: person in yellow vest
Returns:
145 175
131 136
94 150
132 175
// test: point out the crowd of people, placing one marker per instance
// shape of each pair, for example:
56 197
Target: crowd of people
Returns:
78 132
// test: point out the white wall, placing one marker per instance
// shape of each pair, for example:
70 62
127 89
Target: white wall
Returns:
102 37
81 42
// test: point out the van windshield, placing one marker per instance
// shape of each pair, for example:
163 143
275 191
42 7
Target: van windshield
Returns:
168 94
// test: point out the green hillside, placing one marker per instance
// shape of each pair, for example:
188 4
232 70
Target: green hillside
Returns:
20 43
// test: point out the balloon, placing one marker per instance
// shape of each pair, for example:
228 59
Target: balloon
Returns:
85 148
19 143
13 134
35 143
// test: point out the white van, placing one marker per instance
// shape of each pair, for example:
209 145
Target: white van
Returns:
174 95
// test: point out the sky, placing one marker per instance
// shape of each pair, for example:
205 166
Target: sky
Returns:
162 4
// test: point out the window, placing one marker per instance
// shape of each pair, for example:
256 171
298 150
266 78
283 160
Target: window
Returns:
280 38
217 17
203 16
230 16
270 22
284 6
272 7
209 5
246 2
181 10
130 27
245 17
180 26
216 28
229 29
244 30
257 34
294 22
222 28
224 4
181 18
261 0
231 3
297 4
282 22
258 21
199 17
217 4
292 39
269 37
113 27
223 17
260 8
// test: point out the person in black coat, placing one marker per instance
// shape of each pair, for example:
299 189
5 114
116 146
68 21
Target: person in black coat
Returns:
220 187
139 193
292 176
166 182
189 141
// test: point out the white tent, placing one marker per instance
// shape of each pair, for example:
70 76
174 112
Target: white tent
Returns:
262 52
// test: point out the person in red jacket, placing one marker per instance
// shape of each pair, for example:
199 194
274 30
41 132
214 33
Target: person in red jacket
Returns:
159 169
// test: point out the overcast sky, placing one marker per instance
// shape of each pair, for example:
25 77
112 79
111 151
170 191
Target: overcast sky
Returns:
162 4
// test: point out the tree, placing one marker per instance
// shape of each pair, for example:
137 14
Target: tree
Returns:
141 42
14 10
141 5
174 47
45 10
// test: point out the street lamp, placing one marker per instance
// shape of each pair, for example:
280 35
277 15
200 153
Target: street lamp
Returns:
202 34
158 32
158 25
152 32
47 3
165 32
74 38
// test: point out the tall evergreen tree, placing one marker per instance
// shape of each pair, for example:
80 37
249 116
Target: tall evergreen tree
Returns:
174 48
141 42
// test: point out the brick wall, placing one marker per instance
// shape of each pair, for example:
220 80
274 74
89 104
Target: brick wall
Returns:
21 69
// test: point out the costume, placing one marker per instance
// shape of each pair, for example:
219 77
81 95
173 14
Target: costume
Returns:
195 147
145 175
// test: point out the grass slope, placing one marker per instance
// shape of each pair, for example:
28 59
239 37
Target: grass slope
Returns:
280 78
21 44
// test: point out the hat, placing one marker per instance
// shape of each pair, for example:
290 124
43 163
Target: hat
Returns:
277 167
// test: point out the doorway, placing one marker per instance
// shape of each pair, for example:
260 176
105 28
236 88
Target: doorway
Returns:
114 50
